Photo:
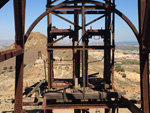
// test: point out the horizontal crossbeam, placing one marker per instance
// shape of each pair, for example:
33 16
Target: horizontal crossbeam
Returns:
78 47
5 55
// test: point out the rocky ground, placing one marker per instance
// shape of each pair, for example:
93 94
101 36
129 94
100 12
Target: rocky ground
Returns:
35 72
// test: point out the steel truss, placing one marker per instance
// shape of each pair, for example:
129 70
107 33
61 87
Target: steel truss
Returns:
91 95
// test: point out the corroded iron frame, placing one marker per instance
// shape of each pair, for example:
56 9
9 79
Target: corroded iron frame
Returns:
143 38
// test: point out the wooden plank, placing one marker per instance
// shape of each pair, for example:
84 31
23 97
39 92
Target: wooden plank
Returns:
35 88
88 95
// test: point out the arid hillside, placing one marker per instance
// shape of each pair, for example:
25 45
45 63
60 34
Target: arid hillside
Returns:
36 42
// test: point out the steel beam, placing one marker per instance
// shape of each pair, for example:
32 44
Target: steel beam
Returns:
50 53
79 12
131 106
144 59
107 41
52 42
19 14
3 2
76 53
5 55
146 26
71 2
83 51
65 19
77 7
95 20
79 47
113 50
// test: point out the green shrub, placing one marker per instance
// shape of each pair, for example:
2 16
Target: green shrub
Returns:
118 68
24 65
128 62
5 68
133 98
10 67
2 72
10 71
124 75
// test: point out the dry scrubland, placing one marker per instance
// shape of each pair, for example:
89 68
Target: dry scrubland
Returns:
127 75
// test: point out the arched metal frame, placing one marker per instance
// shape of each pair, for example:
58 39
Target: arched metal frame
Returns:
143 35
91 2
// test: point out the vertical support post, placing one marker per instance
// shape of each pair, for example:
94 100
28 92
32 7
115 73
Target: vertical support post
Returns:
45 68
85 111
146 26
49 111
113 110
107 110
83 52
50 52
76 58
86 61
107 44
107 52
19 14
144 60
113 44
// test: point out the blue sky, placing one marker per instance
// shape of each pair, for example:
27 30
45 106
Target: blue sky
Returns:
36 7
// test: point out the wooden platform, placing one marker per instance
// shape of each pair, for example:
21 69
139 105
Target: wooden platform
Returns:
78 95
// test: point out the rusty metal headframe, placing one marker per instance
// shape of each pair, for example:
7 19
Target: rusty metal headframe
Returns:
143 38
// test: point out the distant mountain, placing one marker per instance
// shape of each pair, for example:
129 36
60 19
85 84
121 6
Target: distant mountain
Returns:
127 42
2 42
5 43
123 42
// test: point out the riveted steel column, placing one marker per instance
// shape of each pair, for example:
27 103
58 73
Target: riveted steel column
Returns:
144 60
107 44
83 51
76 53
50 52
19 14
113 44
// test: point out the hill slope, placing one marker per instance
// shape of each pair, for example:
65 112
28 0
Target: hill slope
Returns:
36 42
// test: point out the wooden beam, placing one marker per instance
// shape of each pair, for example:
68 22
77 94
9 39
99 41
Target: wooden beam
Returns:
35 88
